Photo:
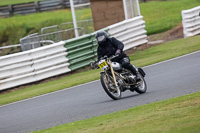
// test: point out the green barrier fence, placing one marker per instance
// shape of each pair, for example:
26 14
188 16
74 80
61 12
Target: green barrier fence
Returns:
81 51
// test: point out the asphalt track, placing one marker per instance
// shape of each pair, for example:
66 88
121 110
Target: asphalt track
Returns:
165 80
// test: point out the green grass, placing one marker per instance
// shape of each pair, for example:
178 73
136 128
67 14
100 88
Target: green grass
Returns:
163 15
166 51
139 58
177 115
12 2
29 24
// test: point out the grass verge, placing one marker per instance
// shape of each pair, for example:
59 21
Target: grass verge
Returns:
140 58
11 2
164 15
177 115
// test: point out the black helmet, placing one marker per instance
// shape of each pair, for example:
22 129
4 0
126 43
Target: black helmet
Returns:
101 37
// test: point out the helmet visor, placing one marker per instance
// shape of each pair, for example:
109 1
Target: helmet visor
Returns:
100 38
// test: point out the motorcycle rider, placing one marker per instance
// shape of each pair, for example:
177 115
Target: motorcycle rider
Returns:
111 46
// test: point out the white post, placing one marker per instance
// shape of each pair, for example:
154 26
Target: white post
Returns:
74 18
125 9
138 8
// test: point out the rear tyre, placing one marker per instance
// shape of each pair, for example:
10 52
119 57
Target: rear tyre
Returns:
141 87
109 87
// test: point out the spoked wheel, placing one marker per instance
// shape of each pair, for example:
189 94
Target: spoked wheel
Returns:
141 87
109 87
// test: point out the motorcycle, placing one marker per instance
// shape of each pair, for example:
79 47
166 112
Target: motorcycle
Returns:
115 79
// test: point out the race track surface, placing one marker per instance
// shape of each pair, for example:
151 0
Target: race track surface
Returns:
165 80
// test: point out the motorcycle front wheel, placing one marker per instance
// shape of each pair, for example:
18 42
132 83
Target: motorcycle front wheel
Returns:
109 87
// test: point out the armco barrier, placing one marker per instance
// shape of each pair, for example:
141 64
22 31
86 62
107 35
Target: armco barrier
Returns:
34 65
191 21
65 56
131 32
81 51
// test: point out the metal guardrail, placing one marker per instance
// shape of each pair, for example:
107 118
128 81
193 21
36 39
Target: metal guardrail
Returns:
65 56
34 65
37 6
81 51
11 46
58 34
84 24
31 42
191 21
48 37
131 32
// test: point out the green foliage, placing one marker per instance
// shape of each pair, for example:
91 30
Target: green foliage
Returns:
161 16
12 2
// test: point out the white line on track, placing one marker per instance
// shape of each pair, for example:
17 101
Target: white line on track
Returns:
172 59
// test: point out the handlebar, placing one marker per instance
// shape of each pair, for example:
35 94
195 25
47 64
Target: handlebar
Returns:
94 64
112 57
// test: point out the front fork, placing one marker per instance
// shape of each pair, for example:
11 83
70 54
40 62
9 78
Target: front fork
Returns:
113 74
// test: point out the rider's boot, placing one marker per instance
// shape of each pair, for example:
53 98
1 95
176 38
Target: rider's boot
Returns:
134 71
138 77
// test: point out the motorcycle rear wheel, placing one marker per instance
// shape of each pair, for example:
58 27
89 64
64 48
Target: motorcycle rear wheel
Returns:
142 87
109 87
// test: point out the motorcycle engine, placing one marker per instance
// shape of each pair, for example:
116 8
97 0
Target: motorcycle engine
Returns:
129 77
132 78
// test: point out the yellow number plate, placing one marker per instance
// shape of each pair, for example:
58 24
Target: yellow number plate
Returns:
103 65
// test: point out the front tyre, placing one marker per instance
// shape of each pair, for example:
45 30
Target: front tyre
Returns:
109 87
141 87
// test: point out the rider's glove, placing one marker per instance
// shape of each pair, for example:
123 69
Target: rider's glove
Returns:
118 52
94 65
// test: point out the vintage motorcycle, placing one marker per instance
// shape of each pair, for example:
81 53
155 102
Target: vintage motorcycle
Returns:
115 79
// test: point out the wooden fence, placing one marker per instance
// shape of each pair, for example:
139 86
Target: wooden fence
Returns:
37 6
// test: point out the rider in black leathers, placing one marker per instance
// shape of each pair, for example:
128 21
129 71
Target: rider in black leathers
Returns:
112 46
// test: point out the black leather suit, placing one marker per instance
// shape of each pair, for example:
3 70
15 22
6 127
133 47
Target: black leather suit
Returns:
109 48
